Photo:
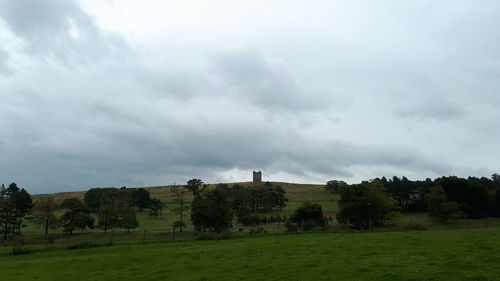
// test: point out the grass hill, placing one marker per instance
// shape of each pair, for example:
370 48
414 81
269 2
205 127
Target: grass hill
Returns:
295 193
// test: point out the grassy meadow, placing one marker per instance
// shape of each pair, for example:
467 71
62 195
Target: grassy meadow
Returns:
413 255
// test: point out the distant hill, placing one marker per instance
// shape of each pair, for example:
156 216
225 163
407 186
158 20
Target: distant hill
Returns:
294 192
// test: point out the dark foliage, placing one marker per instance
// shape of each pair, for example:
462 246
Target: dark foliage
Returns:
15 204
366 205
308 216
77 217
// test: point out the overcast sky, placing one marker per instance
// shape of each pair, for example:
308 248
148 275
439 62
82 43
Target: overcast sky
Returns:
138 93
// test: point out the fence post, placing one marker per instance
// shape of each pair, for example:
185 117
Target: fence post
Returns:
144 236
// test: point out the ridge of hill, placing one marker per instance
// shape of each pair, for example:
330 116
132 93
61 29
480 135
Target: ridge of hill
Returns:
294 192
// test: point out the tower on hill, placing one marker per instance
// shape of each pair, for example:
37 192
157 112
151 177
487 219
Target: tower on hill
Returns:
257 176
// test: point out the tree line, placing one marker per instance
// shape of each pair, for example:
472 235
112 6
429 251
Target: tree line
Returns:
218 208
377 202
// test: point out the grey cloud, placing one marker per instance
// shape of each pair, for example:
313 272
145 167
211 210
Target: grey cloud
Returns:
265 82
434 108
117 145
171 115
59 29
4 68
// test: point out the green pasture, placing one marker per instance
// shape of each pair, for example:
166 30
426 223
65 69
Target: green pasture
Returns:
438 255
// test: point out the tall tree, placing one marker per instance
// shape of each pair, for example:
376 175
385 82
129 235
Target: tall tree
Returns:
179 192
43 214
15 203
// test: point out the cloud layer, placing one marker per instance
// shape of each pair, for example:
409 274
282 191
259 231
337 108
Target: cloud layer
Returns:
113 93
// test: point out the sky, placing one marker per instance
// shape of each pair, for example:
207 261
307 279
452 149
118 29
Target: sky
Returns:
99 93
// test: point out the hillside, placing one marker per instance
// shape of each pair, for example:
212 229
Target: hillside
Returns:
295 192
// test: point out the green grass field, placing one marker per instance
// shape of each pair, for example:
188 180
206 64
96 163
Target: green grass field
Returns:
425 255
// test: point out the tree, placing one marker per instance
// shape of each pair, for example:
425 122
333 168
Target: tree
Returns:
366 205
473 198
43 214
155 207
309 215
496 203
196 187
439 209
334 186
77 217
108 217
127 219
15 203
211 210
141 198
179 192
93 198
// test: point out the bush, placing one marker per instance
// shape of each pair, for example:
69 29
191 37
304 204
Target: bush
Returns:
19 250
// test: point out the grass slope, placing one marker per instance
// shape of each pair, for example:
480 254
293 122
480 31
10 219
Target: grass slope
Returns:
429 255
296 194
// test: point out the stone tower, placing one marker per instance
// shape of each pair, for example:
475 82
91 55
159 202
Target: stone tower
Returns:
257 176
